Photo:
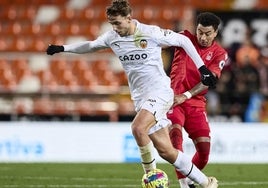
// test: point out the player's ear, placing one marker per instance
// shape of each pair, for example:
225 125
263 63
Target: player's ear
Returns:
216 32
129 18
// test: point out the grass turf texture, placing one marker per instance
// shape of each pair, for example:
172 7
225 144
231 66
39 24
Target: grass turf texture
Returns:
91 175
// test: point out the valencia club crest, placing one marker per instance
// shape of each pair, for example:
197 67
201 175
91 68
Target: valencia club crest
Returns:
143 43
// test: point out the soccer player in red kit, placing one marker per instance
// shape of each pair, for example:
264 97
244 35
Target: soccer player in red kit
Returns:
189 109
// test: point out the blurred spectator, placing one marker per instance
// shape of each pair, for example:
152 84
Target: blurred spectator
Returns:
247 53
263 71
264 112
240 79
245 82
252 113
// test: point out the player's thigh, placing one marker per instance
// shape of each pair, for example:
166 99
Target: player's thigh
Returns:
143 120
196 124
152 112
176 115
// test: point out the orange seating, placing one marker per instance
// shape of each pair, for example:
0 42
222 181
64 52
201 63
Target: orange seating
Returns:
69 81
122 78
67 14
45 77
84 75
30 12
83 107
109 79
99 67
58 64
126 107
107 108
11 12
169 13
21 43
6 28
20 68
62 107
20 12
37 29
87 80
4 2
42 106
57 28
97 108
135 3
19 64
262 5
148 13
78 28
4 66
6 43
8 81
79 66
23 105
94 29
57 68
89 13
39 44
94 3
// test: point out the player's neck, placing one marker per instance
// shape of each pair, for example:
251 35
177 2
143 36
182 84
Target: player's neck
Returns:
133 27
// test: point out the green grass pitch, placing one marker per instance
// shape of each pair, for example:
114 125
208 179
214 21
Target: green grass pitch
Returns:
121 175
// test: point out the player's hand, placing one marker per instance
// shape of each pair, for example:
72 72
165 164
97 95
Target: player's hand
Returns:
179 99
52 49
207 77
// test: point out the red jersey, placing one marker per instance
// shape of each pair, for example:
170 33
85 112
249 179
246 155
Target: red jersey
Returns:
184 74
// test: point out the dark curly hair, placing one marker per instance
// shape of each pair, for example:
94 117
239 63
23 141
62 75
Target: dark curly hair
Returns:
118 7
208 19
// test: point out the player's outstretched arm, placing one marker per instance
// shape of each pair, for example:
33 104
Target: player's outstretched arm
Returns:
79 47
52 49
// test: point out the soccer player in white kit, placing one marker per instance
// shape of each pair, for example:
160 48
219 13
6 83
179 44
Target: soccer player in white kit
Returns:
138 46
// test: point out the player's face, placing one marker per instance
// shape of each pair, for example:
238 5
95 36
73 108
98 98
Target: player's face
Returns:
121 24
205 35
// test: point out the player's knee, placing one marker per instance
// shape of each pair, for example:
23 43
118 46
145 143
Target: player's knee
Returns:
203 159
138 131
202 154
176 138
176 126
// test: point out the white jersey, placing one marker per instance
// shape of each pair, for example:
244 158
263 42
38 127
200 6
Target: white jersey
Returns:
140 55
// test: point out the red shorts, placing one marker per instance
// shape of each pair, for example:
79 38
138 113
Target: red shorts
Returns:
192 119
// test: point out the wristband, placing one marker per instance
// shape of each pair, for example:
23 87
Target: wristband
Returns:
187 94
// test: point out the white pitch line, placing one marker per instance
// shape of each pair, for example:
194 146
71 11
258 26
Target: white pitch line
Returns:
244 183
68 186
64 178
222 184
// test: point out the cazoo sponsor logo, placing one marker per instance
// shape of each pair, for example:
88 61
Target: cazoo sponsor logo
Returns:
133 57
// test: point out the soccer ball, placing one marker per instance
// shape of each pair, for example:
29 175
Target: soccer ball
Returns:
156 178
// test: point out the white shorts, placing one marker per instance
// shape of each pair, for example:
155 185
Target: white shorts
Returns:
158 106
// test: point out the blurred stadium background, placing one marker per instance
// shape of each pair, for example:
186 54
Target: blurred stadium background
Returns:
92 87
66 107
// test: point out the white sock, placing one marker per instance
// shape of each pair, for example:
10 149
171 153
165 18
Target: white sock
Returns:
147 157
189 181
187 168
183 183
